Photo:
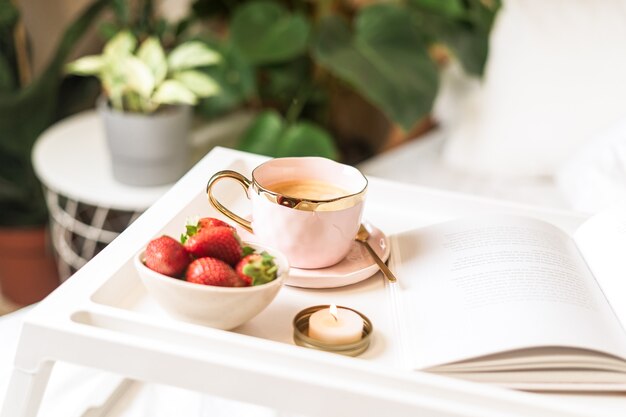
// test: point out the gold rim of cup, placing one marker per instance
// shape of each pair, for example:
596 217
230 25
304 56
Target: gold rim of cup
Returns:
301 334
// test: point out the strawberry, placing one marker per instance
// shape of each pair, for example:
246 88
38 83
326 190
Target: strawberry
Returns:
196 226
211 271
257 269
216 242
166 256
208 222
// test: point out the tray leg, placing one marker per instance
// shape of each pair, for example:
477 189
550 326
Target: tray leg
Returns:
25 391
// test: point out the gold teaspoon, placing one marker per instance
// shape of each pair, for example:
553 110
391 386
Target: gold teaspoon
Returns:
362 236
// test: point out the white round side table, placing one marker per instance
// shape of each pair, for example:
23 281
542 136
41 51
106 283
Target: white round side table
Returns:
88 207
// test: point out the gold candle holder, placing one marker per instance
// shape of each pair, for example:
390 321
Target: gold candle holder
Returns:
301 334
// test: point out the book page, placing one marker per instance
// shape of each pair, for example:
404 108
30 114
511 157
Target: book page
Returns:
602 241
479 286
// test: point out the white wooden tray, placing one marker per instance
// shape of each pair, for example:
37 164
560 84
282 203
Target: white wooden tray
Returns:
103 318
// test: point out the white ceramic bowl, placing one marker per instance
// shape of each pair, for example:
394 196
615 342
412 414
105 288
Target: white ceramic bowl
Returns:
219 307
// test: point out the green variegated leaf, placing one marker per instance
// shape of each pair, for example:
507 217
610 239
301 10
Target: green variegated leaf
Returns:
138 76
198 83
173 92
114 84
87 65
152 54
191 55
123 43
140 79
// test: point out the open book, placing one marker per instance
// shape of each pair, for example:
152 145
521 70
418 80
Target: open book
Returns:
516 301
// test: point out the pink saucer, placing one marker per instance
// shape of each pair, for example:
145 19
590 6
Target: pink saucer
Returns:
357 266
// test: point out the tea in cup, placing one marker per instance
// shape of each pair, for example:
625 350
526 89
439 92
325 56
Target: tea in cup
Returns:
310 208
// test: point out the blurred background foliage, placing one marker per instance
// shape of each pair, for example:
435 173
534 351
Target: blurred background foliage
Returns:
28 105
330 77
334 77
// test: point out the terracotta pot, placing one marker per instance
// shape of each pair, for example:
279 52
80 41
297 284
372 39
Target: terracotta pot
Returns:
363 130
359 127
28 270
397 136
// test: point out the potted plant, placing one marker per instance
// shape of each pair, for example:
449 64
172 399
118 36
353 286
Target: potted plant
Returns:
27 108
337 77
146 104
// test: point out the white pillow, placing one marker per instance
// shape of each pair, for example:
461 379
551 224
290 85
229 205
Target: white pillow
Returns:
556 75
595 177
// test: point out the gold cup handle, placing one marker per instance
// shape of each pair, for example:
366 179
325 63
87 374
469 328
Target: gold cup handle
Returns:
245 183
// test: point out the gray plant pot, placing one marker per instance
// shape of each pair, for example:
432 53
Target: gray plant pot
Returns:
147 149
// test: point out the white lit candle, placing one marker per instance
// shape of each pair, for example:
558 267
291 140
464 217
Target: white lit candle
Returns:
335 326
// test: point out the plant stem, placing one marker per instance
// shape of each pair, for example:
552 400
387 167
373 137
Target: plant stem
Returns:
323 8
298 103
133 102
23 61
116 102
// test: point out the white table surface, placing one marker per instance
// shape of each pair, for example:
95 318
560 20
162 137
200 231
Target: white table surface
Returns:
75 391
71 159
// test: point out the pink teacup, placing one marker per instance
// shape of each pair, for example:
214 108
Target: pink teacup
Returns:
309 208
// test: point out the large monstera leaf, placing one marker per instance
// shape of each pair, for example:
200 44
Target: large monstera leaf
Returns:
462 25
384 58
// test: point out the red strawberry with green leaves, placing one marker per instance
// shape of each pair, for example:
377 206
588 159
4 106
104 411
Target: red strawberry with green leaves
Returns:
167 256
208 222
255 268
211 271
219 242
193 227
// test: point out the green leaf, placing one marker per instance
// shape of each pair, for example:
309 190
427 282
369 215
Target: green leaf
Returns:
7 76
385 60
123 43
282 82
449 8
198 83
121 8
108 30
114 84
467 35
306 139
152 54
263 134
192 54
87 65
138 76
173 92
236 78
9 17
24 114
247 250
266 32
9 14
262 270
269 135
